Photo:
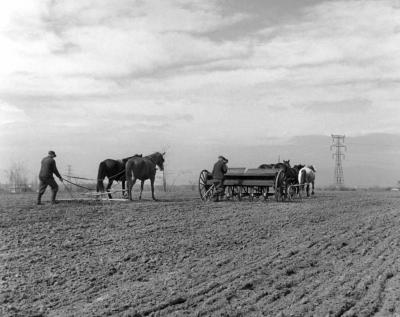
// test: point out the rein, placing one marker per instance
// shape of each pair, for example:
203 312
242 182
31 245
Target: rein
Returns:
114 176
86 179
72 183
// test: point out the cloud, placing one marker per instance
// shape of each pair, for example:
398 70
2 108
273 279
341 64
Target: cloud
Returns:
116 78
69 47
340 107
160 59
143 121
135 34
152 15
93 47
11 114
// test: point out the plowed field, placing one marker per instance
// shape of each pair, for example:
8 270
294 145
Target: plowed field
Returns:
336 254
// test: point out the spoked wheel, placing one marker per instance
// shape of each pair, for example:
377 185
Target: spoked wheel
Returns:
264 192
260 192
278 194
232 192
251 193
279 186
240 193
206 191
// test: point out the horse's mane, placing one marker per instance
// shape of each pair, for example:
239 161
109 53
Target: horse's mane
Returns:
155 153
128 158
299 166
311 167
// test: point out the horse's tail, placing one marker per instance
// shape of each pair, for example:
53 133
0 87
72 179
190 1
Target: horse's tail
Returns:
100 176
302 177
129 170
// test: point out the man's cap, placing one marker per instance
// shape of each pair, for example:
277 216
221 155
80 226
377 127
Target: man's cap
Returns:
223 158
52 153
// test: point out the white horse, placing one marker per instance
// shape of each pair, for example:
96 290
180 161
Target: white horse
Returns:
307 177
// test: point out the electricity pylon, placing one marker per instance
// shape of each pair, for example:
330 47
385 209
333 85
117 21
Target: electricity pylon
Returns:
338 145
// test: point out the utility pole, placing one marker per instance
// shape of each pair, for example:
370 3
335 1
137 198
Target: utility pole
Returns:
165 149
338 145
69 172
164 179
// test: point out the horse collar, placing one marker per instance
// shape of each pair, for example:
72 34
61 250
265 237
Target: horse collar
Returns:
151 159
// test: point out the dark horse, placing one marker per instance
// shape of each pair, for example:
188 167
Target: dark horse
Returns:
291 173
143 168
288 176
114 170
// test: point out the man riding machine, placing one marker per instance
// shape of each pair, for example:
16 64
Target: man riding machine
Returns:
219 170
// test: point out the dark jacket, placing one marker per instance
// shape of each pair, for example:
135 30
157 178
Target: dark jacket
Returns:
219 170
48 168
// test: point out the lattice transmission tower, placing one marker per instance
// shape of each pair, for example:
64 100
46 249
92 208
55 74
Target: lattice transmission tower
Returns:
338 146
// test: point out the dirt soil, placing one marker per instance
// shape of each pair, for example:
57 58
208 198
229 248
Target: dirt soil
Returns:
337 254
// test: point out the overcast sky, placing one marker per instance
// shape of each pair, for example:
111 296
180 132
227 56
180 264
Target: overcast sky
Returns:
93 79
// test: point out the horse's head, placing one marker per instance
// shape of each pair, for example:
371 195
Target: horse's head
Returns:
159 159
311 167
287 163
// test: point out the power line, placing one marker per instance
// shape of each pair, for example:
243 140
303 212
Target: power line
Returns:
338 145
380 145
69 172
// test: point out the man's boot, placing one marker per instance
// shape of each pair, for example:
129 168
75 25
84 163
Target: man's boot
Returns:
53 197
39 199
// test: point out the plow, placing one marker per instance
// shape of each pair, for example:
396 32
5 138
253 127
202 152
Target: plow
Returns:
91 194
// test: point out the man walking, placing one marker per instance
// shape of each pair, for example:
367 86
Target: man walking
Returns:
48 168
218 174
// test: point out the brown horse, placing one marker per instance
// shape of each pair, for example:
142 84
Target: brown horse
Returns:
143 168
114 170
287 177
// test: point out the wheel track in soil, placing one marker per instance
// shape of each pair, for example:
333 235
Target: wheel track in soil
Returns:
310 260
251 268
380 277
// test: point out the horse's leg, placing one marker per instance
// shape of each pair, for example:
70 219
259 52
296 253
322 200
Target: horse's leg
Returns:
308 189
109 187
152 187
141 189
123 189
130 186
312 189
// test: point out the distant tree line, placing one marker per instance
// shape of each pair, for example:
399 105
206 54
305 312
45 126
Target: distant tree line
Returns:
17 179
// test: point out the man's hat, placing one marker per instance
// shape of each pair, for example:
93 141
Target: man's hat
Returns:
52 153
223 158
